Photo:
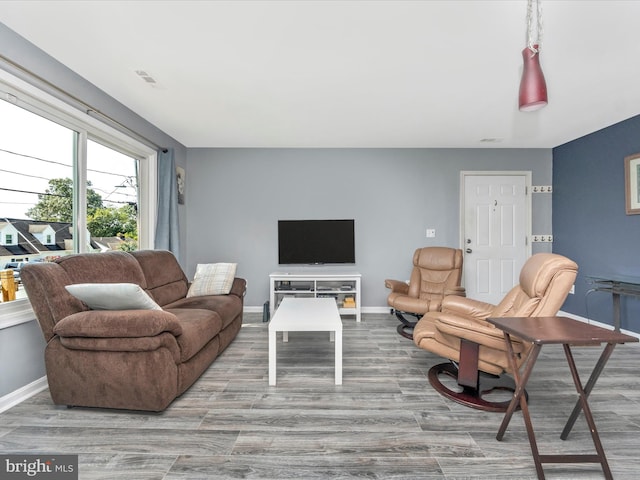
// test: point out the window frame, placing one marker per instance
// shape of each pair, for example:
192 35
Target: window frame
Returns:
36 100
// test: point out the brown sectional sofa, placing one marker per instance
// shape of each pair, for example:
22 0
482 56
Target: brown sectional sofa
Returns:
128 359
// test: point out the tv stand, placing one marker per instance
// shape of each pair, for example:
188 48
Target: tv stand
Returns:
343 286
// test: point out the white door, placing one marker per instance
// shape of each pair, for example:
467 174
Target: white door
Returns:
495 227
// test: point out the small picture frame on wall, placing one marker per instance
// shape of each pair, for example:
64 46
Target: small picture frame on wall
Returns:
180 179
632 183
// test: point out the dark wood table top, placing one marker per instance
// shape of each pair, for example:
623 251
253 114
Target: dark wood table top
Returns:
544 330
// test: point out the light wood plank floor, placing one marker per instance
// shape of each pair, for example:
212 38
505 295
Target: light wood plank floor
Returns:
384 422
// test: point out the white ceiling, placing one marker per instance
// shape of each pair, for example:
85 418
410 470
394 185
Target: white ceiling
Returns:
347 73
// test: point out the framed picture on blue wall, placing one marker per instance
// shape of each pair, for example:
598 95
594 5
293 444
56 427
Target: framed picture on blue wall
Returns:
632 183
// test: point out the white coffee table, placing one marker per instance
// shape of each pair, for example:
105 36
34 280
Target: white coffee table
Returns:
306 315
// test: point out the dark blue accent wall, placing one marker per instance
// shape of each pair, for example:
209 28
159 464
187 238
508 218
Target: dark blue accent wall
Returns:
589 221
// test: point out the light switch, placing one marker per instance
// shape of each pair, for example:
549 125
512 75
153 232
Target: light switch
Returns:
431 232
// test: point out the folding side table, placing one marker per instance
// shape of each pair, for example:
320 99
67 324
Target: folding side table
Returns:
568 332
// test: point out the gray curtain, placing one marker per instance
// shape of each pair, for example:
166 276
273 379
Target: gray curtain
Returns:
167 225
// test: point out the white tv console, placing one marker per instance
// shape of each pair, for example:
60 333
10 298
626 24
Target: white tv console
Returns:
314 284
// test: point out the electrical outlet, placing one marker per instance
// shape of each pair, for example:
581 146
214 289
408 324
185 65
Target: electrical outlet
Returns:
573 289
431 232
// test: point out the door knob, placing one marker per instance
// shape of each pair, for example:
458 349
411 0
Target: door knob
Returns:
468 250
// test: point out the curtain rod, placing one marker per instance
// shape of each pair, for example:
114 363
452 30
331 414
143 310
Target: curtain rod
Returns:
66 96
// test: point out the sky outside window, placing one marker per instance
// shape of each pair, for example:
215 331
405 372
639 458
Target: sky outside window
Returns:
34 150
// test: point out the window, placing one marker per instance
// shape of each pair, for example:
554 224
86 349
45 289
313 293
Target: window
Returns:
35 154
112 198
68 182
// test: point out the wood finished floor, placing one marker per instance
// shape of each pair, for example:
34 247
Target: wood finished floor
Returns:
384 422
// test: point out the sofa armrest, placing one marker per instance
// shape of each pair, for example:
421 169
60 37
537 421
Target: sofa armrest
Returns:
118 324
397 286
239 287
467 307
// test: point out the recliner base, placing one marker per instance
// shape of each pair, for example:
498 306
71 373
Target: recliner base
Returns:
405 331
469 396
405 328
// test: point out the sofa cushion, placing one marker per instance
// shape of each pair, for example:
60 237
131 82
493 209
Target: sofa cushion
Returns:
165 280
212 279
107 267
113 296
228 307
198 328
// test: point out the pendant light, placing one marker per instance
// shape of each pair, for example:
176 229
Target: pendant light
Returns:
533 88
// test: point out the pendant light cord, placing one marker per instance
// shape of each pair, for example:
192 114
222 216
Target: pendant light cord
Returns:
531 40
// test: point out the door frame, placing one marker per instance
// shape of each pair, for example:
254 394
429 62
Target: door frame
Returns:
495 173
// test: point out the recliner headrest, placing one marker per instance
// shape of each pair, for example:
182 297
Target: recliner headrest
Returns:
539 270
437 258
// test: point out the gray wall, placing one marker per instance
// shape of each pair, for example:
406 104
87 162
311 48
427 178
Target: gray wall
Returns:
21 356
235 197
589 220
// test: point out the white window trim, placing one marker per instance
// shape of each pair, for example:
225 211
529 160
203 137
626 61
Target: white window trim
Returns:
20 311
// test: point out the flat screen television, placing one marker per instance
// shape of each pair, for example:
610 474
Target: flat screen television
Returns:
315 242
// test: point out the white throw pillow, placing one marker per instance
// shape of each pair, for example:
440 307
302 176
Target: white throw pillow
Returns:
113 296
212 279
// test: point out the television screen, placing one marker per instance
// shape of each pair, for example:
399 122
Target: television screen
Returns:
316 242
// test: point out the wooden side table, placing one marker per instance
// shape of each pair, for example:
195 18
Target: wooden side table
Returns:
568 332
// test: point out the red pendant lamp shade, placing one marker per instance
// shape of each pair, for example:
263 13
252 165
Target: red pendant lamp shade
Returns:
533 88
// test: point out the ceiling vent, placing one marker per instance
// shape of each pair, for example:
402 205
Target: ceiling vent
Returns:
146 77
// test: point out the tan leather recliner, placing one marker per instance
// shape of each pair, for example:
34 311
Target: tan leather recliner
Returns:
461 333
437 272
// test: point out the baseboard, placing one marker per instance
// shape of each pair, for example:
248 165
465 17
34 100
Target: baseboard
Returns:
250 309
375 309
21 394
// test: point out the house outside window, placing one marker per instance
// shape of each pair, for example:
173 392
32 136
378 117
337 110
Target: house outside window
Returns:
8 233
